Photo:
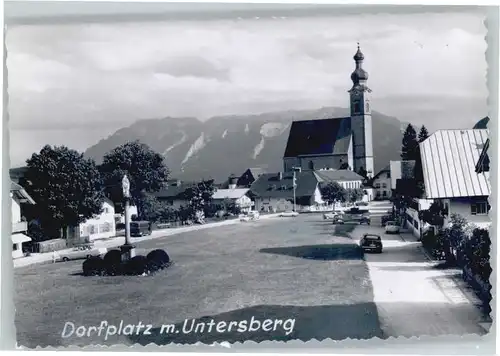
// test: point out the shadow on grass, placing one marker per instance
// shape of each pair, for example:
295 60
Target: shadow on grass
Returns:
320 252
358 321
344 230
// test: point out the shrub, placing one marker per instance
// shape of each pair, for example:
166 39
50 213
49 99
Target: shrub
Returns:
385 218
113 262
477 254
93 266
136 266
157 259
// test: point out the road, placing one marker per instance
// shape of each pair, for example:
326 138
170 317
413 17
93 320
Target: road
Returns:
416 297
281 268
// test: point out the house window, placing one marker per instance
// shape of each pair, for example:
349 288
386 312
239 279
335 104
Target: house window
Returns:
479 208
389 175
378 193
14 247
377 185
384 185
384 193
311 165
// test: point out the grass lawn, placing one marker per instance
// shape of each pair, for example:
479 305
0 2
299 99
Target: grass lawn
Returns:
288 268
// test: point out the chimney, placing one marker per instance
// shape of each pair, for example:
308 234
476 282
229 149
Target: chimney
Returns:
232 181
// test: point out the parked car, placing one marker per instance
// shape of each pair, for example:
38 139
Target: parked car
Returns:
358 219
140 228
329 216
289 214
80 253
244 217
391 227
371 242
254 215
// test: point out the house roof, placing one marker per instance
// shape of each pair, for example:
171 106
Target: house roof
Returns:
316 137
173 191
385 169
18 171
270 185
482 124
256 172
484 158
449 158
230 193
19 191
337 175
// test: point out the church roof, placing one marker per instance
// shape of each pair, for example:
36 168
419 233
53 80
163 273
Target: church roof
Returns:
317 137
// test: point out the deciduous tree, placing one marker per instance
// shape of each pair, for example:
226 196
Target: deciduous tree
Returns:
66 187
355 194
333 192
144 167
199 195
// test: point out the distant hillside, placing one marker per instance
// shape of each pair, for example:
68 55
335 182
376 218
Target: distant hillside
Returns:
230 144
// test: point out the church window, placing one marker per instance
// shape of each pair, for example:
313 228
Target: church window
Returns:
367 107
357 107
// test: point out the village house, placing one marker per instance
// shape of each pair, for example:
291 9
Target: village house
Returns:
273 192
382 184
173 194
237 195
18 196
346 178
449 162
101 226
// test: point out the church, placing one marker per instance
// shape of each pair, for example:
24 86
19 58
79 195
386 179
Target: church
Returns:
336 143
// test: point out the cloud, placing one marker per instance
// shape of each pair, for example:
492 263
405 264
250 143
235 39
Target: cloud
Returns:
110 74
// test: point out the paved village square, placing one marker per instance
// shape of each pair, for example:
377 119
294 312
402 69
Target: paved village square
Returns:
341 242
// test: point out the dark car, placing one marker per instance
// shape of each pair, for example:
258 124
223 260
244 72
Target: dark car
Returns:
371 242
140 228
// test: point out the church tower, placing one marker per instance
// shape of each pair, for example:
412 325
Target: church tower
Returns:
361 118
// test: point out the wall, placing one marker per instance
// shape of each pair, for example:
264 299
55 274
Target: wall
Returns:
101 226
395 167
245 203
350 184
463 207
320 162
414 223
15 208
378 184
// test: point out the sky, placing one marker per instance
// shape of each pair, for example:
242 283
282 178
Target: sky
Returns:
74 84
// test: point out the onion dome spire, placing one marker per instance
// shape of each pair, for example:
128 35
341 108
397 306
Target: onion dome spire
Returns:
359 76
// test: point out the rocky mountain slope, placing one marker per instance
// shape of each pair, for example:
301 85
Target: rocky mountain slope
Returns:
230 144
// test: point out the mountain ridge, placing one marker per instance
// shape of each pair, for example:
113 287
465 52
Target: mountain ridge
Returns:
229 144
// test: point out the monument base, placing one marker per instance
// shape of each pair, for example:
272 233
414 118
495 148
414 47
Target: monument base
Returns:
128 252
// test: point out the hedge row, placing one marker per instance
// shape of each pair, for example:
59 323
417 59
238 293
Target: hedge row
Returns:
112 265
